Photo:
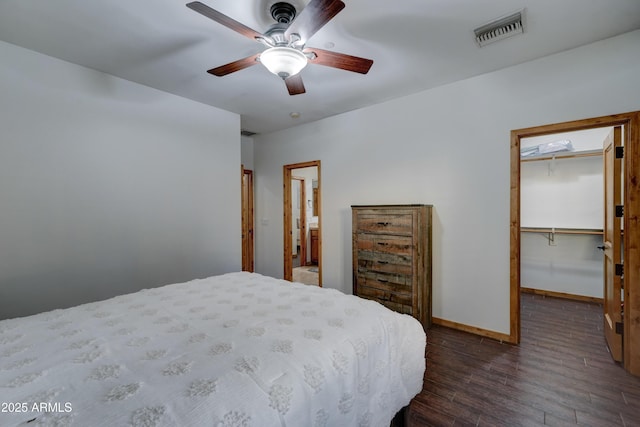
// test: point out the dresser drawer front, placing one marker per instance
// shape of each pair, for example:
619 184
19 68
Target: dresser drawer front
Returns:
384 296
386 223
400 308
390 269
388 281
385 262
386 244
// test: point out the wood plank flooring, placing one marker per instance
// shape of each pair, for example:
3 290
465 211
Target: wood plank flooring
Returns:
561 374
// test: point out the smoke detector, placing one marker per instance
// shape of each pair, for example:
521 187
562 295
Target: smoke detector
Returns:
500 29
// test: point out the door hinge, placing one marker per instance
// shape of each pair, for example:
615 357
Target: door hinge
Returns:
619 269
619 328
619 211
620 152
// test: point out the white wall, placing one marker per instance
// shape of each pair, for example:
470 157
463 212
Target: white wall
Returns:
562 193
108 186
571 265
449 147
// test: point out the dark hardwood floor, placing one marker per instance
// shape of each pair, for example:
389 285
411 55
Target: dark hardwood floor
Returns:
561 374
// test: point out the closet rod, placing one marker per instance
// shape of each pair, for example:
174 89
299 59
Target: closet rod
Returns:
593 231
563 155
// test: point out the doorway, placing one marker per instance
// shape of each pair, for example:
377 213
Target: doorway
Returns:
302 222
562 214
298 222
630 125
247 220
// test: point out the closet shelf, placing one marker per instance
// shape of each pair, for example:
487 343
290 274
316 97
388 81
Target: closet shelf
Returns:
563 155
594 231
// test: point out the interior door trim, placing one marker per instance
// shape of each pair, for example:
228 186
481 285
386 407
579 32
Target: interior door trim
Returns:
247 220
631 124
287 173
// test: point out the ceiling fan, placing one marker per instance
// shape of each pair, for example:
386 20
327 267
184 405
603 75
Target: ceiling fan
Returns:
286 54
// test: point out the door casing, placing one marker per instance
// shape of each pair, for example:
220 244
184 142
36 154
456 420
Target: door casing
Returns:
287 173
247 220
631 125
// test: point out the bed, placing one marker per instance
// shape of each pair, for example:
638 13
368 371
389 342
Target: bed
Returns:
240 349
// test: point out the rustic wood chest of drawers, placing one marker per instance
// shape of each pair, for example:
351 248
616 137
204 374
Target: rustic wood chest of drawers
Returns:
392 257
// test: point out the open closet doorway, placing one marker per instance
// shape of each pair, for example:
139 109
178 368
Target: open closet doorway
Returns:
585 223
302 223
562 214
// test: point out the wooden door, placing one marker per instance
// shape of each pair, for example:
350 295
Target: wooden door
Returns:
612 245
247 220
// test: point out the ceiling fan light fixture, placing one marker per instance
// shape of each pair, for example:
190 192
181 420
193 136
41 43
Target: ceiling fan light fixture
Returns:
283 61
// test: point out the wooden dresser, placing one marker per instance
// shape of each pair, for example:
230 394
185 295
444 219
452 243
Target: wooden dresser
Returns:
392 257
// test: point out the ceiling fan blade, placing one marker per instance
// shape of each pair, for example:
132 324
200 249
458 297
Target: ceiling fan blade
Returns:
295 85
234 66
340 60
220 18
313 17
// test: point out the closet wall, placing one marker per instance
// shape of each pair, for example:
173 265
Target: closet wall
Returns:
562 210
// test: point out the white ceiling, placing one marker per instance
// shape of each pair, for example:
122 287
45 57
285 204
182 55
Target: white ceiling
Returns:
415 45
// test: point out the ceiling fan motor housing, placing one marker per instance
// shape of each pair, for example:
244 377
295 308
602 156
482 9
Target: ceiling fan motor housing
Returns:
283 12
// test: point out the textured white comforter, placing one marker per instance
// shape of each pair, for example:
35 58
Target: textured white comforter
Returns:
239 349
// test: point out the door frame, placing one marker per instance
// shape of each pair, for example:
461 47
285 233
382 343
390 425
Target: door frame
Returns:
631 219
287 173
247 220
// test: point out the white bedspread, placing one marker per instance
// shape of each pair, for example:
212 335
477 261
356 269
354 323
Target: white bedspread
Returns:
239 349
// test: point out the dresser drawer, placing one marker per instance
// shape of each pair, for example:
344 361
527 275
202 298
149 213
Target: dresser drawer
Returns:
400 245
382 295
386 281
380 266
385 223
400 308
388 263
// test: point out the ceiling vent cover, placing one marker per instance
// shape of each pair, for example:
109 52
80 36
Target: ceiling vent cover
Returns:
500 29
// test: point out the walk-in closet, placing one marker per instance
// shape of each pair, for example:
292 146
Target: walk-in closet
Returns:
562 214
